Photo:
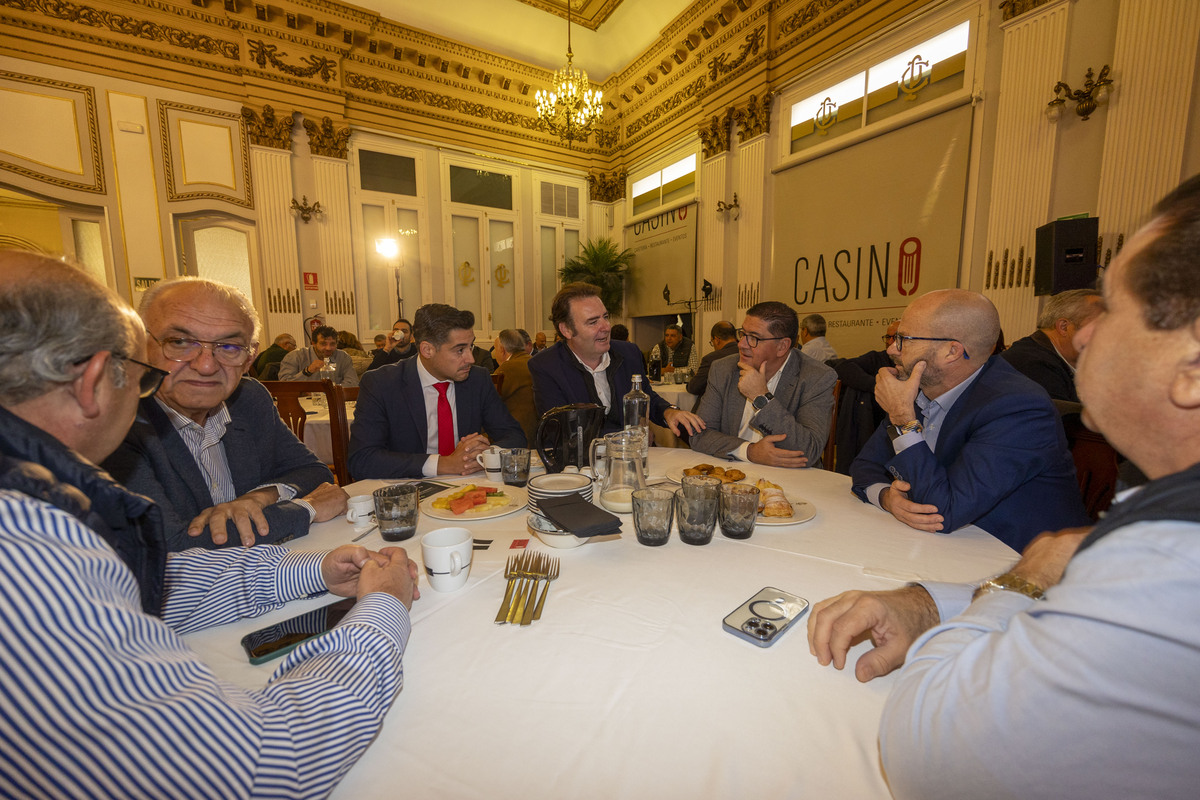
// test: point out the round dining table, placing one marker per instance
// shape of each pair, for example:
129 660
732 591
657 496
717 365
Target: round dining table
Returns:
628 686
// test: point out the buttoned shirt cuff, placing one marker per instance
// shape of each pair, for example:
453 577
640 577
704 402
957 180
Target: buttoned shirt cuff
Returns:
951 599
906 440
873 491
307 506
742 453
286 492
430 470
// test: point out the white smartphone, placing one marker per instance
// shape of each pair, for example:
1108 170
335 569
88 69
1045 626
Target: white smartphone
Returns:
765 617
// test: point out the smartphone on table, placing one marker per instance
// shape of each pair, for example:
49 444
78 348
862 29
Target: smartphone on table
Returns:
766 616
284 637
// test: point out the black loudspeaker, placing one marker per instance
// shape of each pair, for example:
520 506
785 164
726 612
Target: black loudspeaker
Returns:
1066 255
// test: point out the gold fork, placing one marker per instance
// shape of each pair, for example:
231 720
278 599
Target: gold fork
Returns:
539 572
510 572
528 572
551 574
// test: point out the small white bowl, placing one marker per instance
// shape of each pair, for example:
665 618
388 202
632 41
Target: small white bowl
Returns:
544 529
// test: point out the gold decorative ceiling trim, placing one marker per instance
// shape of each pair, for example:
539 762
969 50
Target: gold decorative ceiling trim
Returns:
1015 8
269 130
412 94
126 25
714 134
606 187
263 53
326 140
812 11
591 14
672 103
754 118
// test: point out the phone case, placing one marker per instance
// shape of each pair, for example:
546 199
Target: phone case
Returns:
765 617
272 642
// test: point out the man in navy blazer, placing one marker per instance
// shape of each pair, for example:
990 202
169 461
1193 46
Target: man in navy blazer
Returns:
968 439
399 429
210 448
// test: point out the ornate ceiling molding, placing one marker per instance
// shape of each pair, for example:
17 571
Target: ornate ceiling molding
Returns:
325 140
263 53
606 187
714 135
754 118
268 130
590 14
1015 8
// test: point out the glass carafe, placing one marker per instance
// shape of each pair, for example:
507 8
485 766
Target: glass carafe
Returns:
622 469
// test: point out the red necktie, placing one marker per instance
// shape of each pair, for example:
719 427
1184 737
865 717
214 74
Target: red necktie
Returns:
445 421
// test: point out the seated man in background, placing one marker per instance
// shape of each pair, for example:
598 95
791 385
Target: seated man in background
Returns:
428 415
516 390
968 439
724 342
812 336
619 333
305 363
380 341
772 404
94 606
210 448
586 366
539 342
859 413
397 346
1072 675
675 351
1048 355
266 366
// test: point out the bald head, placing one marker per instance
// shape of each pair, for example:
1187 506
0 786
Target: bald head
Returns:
185 288
966 316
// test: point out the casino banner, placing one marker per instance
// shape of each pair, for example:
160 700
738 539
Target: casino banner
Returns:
665 259
862 231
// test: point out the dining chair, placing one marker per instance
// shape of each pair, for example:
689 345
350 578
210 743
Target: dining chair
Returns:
1095 466
498 382
828 458
287 396
339 428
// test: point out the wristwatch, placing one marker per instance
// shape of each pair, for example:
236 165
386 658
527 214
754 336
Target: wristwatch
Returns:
761 401
908 427
1009 583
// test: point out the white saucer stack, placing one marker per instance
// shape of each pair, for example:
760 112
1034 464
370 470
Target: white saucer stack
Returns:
558 484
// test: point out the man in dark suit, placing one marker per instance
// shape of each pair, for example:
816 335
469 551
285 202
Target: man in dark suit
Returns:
772 404
210 448
1048 355
724 342
586 366
428 415
968 439
266 366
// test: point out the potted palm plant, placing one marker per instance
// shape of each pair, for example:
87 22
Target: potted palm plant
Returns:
600 262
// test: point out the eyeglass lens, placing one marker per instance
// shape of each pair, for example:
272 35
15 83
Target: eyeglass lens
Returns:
231 355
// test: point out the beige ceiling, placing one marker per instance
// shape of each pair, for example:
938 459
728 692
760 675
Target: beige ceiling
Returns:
535 31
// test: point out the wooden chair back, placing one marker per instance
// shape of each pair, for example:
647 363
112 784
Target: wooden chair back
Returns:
828 457
1095 466
287 400
498 382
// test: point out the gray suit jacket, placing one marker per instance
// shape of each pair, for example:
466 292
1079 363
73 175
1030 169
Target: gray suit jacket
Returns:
293 364
154 461
801 409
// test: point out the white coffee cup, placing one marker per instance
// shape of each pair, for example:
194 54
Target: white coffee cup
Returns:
360 508
446 553
490 461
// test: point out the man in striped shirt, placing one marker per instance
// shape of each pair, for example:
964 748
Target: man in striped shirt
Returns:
99 695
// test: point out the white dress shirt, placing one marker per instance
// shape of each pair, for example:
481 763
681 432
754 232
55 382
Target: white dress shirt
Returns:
430 393
600 378
745 431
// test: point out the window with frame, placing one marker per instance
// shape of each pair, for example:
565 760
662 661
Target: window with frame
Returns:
660 188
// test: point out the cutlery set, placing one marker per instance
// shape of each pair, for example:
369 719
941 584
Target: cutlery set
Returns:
523 573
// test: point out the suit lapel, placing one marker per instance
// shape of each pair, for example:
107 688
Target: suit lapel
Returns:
414 397
182 463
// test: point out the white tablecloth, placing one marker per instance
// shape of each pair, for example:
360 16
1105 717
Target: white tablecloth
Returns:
316 428
676 394
629 687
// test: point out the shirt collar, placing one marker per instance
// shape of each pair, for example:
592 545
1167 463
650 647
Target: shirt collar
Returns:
220 416
427 378
946 399
605 361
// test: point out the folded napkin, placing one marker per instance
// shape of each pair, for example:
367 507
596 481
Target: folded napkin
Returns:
573 513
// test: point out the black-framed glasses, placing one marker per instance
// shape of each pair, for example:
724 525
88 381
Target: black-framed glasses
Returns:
178 348
148 384
888 338
901 338
753 340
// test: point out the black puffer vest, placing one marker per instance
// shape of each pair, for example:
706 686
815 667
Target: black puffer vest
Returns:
35 463
679 358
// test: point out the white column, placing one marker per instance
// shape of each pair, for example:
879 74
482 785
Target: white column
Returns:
331 182
1033 55
1154 67
282 308
751 188
712 228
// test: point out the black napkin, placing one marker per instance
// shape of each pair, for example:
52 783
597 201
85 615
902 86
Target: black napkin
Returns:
573 513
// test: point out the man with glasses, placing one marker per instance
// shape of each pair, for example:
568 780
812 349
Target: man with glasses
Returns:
772 404
968 439
305 363
210 448
102 698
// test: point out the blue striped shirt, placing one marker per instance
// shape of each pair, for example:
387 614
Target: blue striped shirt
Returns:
99 699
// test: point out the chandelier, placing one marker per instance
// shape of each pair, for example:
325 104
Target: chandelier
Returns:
571 108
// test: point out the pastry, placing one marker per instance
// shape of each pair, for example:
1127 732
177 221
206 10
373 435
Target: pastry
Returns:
771 501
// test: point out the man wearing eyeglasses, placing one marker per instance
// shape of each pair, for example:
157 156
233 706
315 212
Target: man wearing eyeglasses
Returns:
772 404
968 439
210 448
305 363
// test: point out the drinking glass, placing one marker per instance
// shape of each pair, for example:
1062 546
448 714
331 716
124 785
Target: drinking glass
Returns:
396 511
696 516
737 510
653 510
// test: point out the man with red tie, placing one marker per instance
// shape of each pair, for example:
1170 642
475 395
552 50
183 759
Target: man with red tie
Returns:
430 415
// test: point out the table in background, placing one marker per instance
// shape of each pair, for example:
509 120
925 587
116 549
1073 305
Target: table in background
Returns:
678 395
316 428
628 687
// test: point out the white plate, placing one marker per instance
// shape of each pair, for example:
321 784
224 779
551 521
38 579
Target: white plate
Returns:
517 498
559 483
676 475
802 511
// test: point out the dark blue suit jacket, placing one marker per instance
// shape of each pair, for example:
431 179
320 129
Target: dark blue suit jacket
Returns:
559 379
1001 463
389 435
260 448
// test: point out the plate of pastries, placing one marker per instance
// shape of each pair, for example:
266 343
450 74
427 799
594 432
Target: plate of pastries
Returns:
775 507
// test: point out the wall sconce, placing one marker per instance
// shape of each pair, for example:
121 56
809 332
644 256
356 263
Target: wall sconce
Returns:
733 209
1086 99
306 211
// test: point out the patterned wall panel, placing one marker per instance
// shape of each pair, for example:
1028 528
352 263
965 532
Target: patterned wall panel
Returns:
205 154
51 132
332 184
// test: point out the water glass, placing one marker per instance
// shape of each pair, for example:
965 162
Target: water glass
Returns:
700 486
514 466
653 510
737 510
396 511
696 516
